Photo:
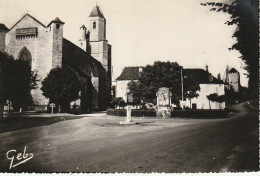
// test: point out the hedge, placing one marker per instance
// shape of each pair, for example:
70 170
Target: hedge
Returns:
196 114
200 114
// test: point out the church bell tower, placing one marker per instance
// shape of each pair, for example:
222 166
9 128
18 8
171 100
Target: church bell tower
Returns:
99 47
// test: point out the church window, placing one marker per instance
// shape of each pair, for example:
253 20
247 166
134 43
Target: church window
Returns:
25 55
57 26
94 25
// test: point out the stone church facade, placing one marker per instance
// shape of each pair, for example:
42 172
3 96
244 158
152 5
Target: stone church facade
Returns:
45 48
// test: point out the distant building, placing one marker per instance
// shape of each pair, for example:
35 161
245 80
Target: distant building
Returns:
45 48
208 85
128 74
234 79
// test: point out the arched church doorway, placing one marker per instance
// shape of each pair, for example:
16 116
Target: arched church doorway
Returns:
25 55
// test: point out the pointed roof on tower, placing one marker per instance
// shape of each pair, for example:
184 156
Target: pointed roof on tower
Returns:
96 12
3 27
83 27
233 70
56 20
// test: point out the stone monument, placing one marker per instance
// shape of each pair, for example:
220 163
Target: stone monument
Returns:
163 103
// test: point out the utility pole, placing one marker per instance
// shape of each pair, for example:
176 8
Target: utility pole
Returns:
181 85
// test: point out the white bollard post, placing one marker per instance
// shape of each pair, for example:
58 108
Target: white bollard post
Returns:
128 120
128 114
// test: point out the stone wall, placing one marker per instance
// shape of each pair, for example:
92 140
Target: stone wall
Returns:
83 44
41 48
57 37
97 34
2 41
234 81
99 50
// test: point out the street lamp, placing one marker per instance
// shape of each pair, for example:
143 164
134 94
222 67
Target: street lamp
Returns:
182 92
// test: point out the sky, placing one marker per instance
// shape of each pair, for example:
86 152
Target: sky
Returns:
144 31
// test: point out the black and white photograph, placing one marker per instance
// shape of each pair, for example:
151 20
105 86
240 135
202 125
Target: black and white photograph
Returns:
129 86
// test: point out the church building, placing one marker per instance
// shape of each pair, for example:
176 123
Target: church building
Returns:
45 48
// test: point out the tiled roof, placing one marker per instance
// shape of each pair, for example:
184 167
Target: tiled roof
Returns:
130 73
56 20
30 17
79 60
233 70
202 76
83 26
96 12
3 27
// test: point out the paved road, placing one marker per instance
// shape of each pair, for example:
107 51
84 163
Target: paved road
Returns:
99 144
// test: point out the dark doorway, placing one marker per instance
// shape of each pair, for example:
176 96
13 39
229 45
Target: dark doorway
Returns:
194 106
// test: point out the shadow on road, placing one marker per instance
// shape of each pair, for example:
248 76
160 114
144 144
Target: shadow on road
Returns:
23 121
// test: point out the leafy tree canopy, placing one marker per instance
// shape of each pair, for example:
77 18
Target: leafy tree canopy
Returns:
117 102
62 86
162 74
212 97
244 14
16 81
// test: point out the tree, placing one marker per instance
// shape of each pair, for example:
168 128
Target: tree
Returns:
212 97
135 93
190 95
16 82
21 81
215 97
244 14
121 103
61 86
162 74
4 63
117 102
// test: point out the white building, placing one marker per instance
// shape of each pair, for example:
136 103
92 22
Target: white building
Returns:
208 85
128 74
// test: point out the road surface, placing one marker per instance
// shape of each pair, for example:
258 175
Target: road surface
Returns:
100 144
